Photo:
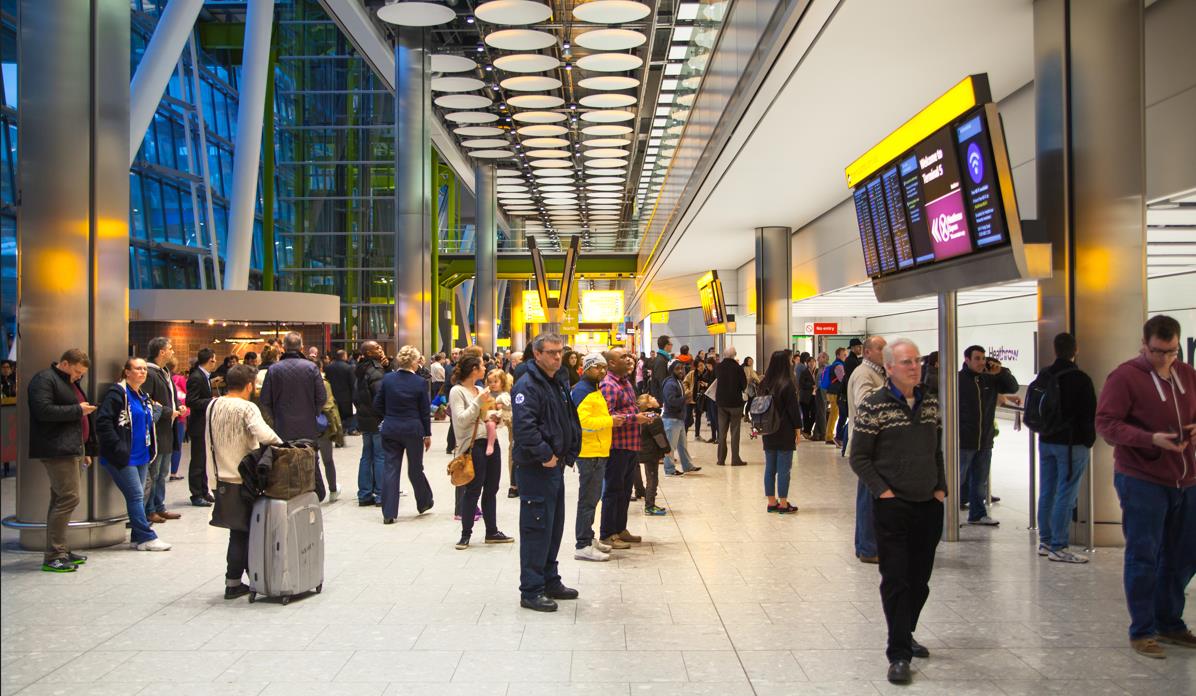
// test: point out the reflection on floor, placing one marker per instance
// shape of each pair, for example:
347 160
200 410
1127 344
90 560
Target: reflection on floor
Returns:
722 598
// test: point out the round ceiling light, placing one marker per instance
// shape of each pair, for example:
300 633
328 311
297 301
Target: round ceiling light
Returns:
610 39
551 164
450 64
607 142
607 152
507 172
598 171
511 188
545 131
509 12
610 11
527 63
608 116
539 117
536 101
478 131
559 195
520 39
548 172
609 62
557 181
604 187
603 194
546 142
558 189
608 83
603 101
456 84
530 83
491 154
486 142
608 163
471 117
548 154
605 180
463 101
606 130
416 14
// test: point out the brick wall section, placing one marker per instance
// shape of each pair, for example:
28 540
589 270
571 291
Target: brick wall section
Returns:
189 338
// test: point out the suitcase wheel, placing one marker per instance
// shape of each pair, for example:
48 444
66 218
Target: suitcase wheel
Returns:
286 599
252 597
319 588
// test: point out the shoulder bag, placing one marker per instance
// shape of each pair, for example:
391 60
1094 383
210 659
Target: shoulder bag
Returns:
460 469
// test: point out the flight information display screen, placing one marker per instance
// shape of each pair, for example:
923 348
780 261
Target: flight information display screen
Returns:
867 237
880 226
979 181
911 190
896 208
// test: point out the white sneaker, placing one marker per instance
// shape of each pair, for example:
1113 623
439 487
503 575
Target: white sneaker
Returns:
1065 556
590 553
152 545
333 496
1043 550
985 521
604 548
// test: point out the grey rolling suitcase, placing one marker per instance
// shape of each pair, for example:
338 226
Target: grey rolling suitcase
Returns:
286 547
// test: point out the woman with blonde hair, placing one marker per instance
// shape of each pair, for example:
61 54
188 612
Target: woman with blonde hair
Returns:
403 404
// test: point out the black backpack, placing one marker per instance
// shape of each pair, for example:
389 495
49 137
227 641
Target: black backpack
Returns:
1043 407
763 412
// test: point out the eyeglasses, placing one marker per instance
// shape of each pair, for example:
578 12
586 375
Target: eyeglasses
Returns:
909 362
558 351
1160 352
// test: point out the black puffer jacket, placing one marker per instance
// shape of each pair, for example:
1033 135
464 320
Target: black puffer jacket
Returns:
369 376
56 418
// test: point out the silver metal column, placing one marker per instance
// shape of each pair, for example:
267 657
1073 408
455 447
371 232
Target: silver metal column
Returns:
204 168
518 323
259 23
774 292
949 407
73 231
413 191
153 71
1089 91
485 256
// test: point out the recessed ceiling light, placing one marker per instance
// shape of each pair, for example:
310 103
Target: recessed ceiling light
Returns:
687 11
678 52
668 85
682 33
672 69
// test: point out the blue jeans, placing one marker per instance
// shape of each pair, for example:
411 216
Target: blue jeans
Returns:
130 480
372 467
865 525
155 483
777 466
973 476
1058 486
674 430
590 472
1159 523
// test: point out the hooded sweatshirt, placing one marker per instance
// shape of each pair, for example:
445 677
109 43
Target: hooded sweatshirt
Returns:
1134 404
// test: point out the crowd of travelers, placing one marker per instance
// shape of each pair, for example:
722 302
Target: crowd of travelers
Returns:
617 419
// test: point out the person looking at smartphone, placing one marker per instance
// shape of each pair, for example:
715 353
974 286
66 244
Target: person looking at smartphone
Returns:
1147 411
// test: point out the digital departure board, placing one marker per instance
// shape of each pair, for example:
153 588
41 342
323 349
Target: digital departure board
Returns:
911 189
975 152
896 207
880 226
867 237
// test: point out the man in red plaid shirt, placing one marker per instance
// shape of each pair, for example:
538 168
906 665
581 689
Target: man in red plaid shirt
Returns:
619 393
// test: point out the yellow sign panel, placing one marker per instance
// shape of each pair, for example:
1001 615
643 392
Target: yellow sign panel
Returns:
602 307
533 313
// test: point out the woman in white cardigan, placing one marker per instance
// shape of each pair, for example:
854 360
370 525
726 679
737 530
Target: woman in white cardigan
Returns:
467 407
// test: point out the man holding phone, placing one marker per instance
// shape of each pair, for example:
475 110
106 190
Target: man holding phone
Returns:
1147 411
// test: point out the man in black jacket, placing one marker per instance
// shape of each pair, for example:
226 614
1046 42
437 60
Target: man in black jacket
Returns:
60 435
1063 454
659 370
728 396
161 389
855 352
547 439
980 381
199 395
293 397
372 466
341 378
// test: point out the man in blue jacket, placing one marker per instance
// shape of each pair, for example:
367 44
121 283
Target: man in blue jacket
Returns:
547 438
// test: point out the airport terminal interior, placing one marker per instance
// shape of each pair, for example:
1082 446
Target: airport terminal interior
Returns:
902 295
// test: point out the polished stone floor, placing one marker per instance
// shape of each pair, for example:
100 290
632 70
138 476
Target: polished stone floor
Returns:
721 598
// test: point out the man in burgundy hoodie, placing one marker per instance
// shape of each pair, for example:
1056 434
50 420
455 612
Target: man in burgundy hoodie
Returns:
1147 411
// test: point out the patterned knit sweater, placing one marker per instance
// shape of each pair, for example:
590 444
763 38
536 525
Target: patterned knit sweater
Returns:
894 447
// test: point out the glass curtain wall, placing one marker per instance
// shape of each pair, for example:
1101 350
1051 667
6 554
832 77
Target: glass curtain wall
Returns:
8 175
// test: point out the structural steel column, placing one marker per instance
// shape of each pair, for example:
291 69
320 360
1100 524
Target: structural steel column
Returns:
413 207
73 232
156 65
1090 115
949 407
485 256
255 64
517 287
774 291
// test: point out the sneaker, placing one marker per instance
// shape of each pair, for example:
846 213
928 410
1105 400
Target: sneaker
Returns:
675 473
512 492
1065 556
615 542
499 538
199 501
629 537
655 511
238 590
597 543
59 565
365 502
694 470
76 558
772 508
463 543
333 496
152 545
985 521
590 553
1183 638
1148 647
1043 550
789 509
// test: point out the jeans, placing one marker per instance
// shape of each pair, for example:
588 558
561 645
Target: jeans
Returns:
180 434
372 467
487 472
778 464
712 418
590 472
674 430
621 468
541 527
131 482
63 473
907 535
973 478
413 447
729 420
1159 523
155 483
865 523
1058 486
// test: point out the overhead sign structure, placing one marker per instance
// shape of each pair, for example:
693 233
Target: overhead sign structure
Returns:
825 329
555 305
714 305
602 306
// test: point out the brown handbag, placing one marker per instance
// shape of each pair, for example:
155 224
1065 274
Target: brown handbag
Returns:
292 470
460 469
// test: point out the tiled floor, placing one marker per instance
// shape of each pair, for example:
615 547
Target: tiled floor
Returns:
720 599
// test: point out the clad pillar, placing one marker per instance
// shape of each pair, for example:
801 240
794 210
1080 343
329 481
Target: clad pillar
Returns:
485 256
518 287
1088 72
774 292
73 233
413 191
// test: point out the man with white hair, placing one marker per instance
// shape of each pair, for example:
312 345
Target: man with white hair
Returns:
896 453
867 378
728 396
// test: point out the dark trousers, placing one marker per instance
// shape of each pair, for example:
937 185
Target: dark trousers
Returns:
237 558
807 415
651 483
696 409
325 445
541 527
396 447
63 473
907 534
1159 523
450 444
621 469
487 473
729 420
197 468
819 427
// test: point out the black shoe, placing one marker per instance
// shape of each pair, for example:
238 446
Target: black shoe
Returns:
963 506
388 520
562 592
738 463
200 502
538 603
695 469
463 543
995 499
425 509
919 649
676 473
366 502
712 441
499 538
59 565
378 502
209 497
76 558
238 590
512 492
899 672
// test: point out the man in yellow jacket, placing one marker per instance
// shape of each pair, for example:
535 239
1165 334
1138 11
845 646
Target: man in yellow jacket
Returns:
596 425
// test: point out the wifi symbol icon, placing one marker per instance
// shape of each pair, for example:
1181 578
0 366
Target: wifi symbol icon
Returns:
975 163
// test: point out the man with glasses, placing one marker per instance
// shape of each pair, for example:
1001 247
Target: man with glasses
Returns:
1147 411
